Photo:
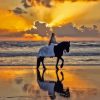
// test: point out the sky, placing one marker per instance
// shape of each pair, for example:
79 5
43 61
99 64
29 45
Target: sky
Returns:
35 20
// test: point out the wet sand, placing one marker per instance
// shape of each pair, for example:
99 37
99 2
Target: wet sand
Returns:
24 83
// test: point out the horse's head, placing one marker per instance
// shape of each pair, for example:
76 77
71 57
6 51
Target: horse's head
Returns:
67 45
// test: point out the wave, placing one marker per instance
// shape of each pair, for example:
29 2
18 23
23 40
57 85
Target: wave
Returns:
15 48
85 44
89 60
13 54
31 44
84 54
20 43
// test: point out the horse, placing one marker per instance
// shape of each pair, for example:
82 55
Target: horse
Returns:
57 49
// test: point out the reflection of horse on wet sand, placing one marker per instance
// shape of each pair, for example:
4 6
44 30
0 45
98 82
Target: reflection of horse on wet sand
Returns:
52 86
53 51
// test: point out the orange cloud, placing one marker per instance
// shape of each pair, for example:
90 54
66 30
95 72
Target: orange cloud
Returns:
10 21
34 37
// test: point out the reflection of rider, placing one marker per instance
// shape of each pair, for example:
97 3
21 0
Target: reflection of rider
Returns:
52 86
52 39
45 85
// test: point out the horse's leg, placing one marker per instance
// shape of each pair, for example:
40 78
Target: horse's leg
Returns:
38 75
57 63
62 62
57 75
62 76
43 63
38 62
43 74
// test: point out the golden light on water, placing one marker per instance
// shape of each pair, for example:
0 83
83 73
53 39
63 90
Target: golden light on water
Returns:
22 81
71 79
7 74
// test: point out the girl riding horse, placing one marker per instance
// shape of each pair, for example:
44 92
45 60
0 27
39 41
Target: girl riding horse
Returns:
53 51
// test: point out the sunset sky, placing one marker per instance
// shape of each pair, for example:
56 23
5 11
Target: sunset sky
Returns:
36 19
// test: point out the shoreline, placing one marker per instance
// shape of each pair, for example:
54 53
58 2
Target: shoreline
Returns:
51 67
83 82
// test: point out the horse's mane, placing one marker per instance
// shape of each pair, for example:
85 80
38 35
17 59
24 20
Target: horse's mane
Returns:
64 42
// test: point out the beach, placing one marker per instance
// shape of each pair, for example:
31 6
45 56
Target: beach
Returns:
77 80
21 82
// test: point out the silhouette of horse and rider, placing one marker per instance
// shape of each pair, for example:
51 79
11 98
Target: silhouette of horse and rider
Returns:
53 50
52 86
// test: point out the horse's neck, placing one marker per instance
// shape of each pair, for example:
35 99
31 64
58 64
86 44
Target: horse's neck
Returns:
62 46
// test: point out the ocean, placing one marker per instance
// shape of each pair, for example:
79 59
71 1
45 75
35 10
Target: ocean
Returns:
18 53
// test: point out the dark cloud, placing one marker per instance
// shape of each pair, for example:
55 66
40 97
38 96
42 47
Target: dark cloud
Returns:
70 30
30 3
41 29
67 30
25 3
6 33
18 10
47 3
